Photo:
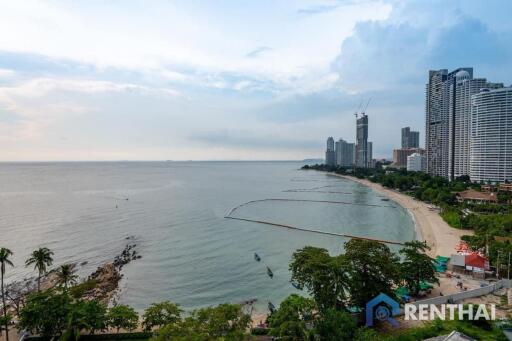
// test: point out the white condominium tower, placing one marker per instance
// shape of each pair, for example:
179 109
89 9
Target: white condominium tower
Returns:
491 135
344 153
461 91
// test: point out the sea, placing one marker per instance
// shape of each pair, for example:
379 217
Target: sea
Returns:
175 213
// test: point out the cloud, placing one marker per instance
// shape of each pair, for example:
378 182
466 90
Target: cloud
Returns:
174 78
258 51
317 9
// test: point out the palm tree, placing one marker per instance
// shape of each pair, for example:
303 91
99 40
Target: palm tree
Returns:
4 260
66 275
41 258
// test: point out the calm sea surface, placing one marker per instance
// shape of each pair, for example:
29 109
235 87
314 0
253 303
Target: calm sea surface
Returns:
190 253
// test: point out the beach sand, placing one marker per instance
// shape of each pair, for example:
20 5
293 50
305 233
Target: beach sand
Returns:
441 237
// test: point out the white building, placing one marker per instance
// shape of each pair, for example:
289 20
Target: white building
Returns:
491 135
344 153
461 91
416 163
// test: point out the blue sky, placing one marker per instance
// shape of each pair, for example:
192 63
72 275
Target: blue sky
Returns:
216 80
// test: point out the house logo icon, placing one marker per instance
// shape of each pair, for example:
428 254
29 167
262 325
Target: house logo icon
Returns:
382 308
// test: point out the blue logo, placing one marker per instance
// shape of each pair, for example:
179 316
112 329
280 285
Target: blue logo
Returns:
381 305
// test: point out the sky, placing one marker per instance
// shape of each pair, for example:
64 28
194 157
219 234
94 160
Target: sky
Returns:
229 80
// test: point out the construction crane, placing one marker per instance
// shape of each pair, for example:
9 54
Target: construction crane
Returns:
366 106
358 109
362 112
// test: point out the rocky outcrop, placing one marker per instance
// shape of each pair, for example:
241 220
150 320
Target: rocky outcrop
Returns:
107 277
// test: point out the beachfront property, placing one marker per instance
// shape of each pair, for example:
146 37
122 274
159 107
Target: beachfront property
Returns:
465 135
491 136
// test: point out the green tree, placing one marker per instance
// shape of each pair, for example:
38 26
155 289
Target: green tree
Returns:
5 254
373 269
85 315
122 316
325 277
95 315
223 322
46 313
334 325
417 266
290 320
66 275
161 314
41 259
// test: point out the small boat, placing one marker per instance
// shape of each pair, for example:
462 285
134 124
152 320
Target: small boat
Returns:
296 285
269 272
384 199
257 257
271 307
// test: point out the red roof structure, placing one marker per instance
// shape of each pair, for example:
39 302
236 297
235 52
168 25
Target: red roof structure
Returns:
477 261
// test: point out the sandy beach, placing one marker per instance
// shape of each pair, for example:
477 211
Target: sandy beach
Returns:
441 237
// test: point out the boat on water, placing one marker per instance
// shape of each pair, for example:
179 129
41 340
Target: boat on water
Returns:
257 257
269 272
384 199
271 307
296 285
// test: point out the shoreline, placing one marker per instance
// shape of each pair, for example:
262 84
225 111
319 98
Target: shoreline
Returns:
429 226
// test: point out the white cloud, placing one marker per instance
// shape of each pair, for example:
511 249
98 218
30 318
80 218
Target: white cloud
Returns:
166 35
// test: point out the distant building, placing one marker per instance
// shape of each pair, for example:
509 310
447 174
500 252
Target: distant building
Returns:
491 136
344 153
400 156
330 156
363 154
416 162
370 161
410 139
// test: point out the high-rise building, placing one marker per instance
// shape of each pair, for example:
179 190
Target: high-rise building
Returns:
491 135
461 90
416 162
410 139
344 153
438 116
362 142
400 156
330 156
369 161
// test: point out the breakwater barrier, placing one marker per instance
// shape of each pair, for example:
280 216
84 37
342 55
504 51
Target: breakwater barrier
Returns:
305 200
310 191
290 227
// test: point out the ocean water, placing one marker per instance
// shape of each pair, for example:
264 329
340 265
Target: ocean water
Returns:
191 254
